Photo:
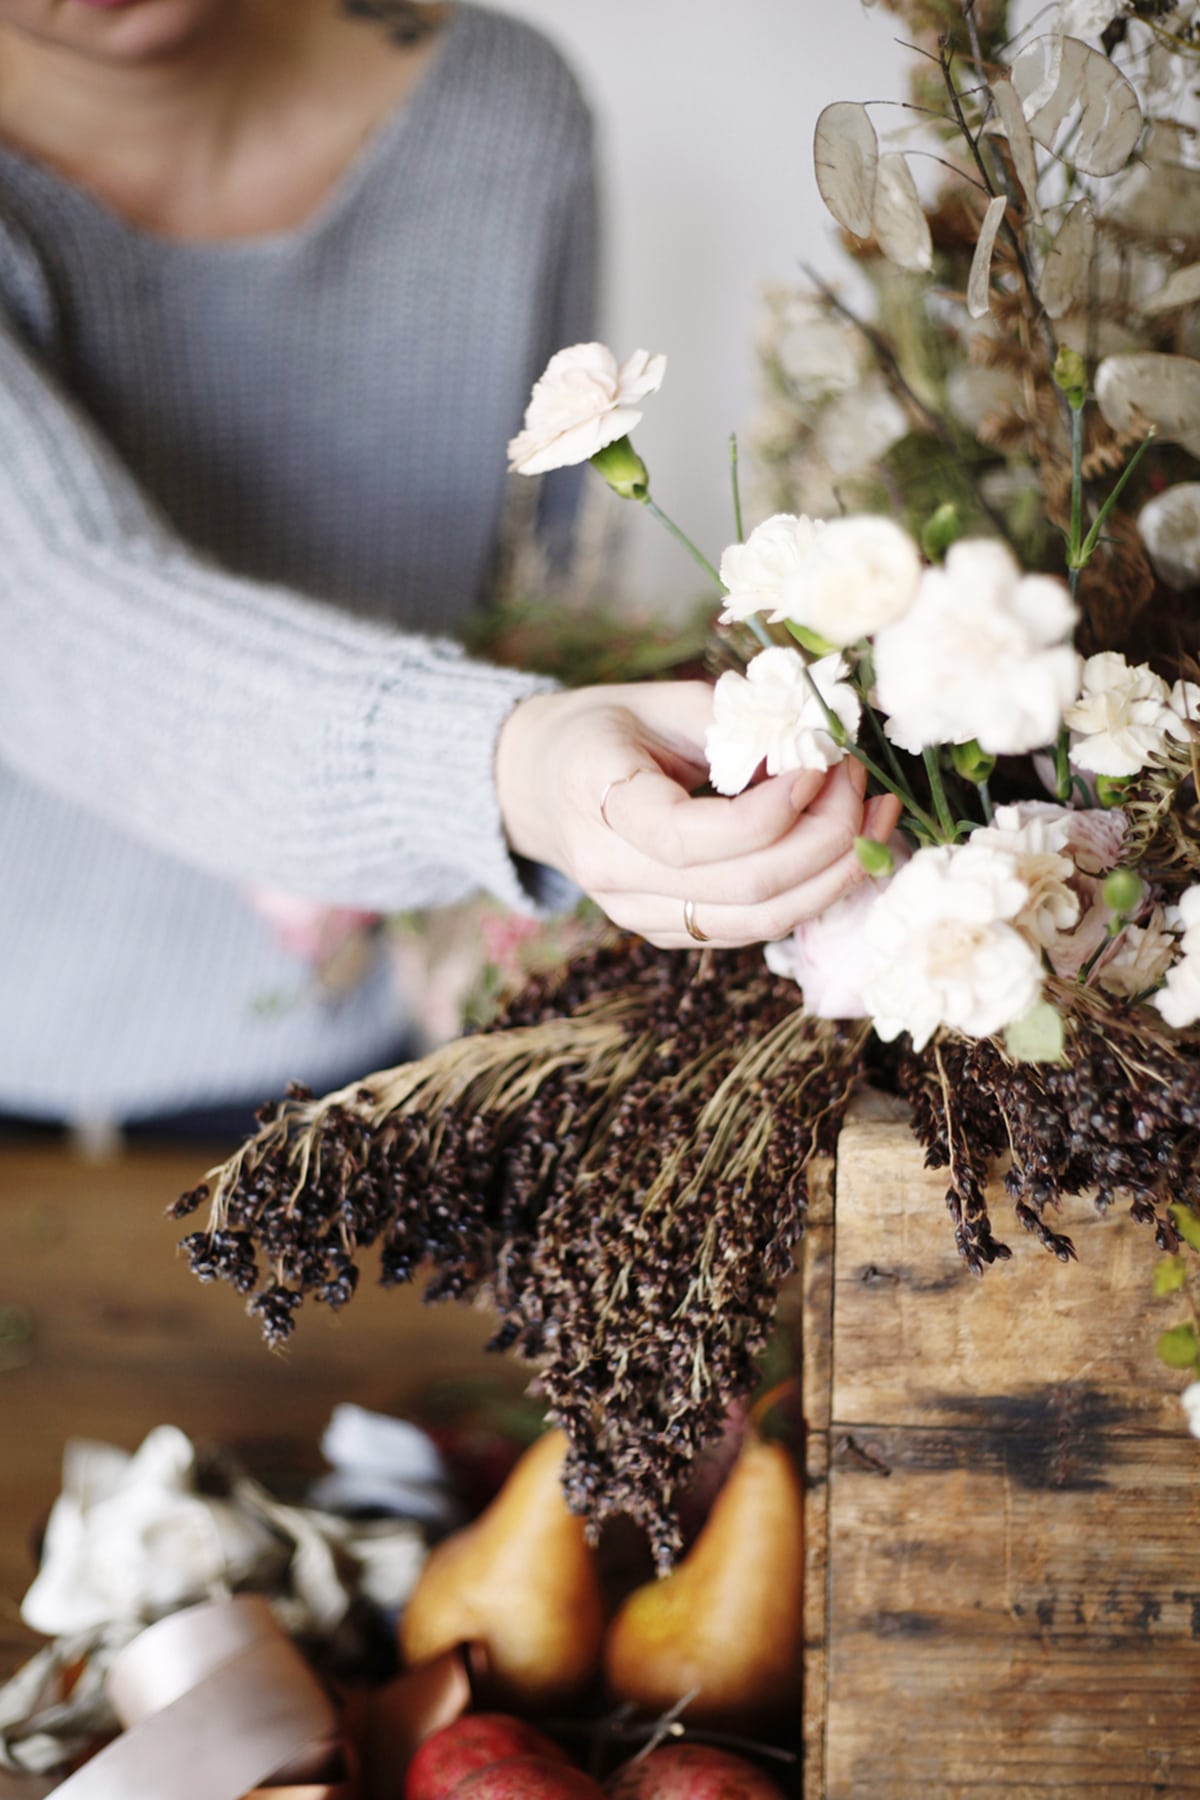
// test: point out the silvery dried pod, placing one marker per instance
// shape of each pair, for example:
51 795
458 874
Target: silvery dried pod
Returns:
1078 103
1067 270
846 160
1158 196
1020 142
1148 388
979 298
901 228
1170 528
1181 289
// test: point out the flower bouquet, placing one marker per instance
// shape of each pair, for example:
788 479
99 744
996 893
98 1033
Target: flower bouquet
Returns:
996 617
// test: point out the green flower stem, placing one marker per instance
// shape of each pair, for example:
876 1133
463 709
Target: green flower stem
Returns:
938 791
844 741
682 537
1093 536
1063 777
985 801
737 488
884 742
1074 541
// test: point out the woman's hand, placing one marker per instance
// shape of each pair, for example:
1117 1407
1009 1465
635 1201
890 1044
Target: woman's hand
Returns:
598 783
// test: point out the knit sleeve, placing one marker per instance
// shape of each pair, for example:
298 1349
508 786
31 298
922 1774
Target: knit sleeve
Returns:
246 729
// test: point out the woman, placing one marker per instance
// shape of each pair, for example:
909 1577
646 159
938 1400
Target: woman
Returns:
276 277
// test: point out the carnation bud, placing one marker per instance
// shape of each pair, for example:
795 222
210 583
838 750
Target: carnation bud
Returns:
876 858
972 763
623 469
1070 376
1123 891
1111 790
941 529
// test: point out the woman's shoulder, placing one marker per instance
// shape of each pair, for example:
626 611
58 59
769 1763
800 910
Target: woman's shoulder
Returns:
512 64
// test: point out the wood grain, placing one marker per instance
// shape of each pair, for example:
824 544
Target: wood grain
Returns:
125 1338
1013 1507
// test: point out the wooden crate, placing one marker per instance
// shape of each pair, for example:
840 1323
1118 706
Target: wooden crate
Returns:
1004 1506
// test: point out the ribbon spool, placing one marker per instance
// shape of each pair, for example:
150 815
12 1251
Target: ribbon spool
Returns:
217 1705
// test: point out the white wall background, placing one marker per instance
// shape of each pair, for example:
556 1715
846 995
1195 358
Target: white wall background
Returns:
705 112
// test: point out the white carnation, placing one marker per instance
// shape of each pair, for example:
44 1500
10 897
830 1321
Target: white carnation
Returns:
1184 916
771 714
1122 716
1185 704
582 402
983 653
843 580
1036 837
943 949
1170 528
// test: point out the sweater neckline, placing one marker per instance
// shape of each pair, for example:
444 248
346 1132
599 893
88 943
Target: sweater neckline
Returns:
354 178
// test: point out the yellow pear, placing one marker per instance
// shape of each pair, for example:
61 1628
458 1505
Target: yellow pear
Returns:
729 1619
521 1581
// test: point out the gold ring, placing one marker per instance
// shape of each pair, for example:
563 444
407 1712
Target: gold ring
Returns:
690 925
608 788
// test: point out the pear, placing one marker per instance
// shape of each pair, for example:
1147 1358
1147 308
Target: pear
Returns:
522 1582
728 1620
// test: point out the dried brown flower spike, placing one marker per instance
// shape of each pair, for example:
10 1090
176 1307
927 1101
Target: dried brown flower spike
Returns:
617 1166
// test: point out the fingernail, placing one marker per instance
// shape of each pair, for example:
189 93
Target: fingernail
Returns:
800 795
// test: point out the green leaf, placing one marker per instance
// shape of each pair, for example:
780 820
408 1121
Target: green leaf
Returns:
1169 1275
1180 1347
1186 1224
1038 1037
810 640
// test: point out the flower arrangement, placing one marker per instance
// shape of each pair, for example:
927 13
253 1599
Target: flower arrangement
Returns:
996 616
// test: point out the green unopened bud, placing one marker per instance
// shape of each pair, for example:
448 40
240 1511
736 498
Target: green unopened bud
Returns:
1123 892
1070 376
972 763
940 530
876 858
812 641
1111 790
623 469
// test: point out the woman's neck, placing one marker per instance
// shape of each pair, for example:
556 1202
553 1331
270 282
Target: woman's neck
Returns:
241 130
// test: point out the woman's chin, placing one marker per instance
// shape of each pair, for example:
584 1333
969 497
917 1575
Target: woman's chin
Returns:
123 31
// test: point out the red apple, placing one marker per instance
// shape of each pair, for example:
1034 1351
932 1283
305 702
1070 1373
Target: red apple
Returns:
473 1742
692 1772
528 1778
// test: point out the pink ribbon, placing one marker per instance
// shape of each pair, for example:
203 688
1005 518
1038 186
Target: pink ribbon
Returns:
216 1702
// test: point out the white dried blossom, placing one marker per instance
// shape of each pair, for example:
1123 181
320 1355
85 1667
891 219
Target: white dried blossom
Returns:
982 653
943 949
1184 917
843 580
1170 528
1122 717
1036 837
582 402
1190 1401
1179 999
824 954
1139 959
771 714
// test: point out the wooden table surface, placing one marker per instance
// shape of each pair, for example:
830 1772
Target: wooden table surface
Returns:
104 1333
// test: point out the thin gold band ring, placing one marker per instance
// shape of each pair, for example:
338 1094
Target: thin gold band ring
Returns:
690 925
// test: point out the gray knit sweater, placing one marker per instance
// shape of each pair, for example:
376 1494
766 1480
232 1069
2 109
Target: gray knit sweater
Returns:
236 480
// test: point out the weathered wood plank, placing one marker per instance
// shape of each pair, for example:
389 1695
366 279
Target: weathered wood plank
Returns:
921 1341
816 1282
1007 1614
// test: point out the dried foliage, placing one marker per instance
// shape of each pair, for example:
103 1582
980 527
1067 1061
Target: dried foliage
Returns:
618 1167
